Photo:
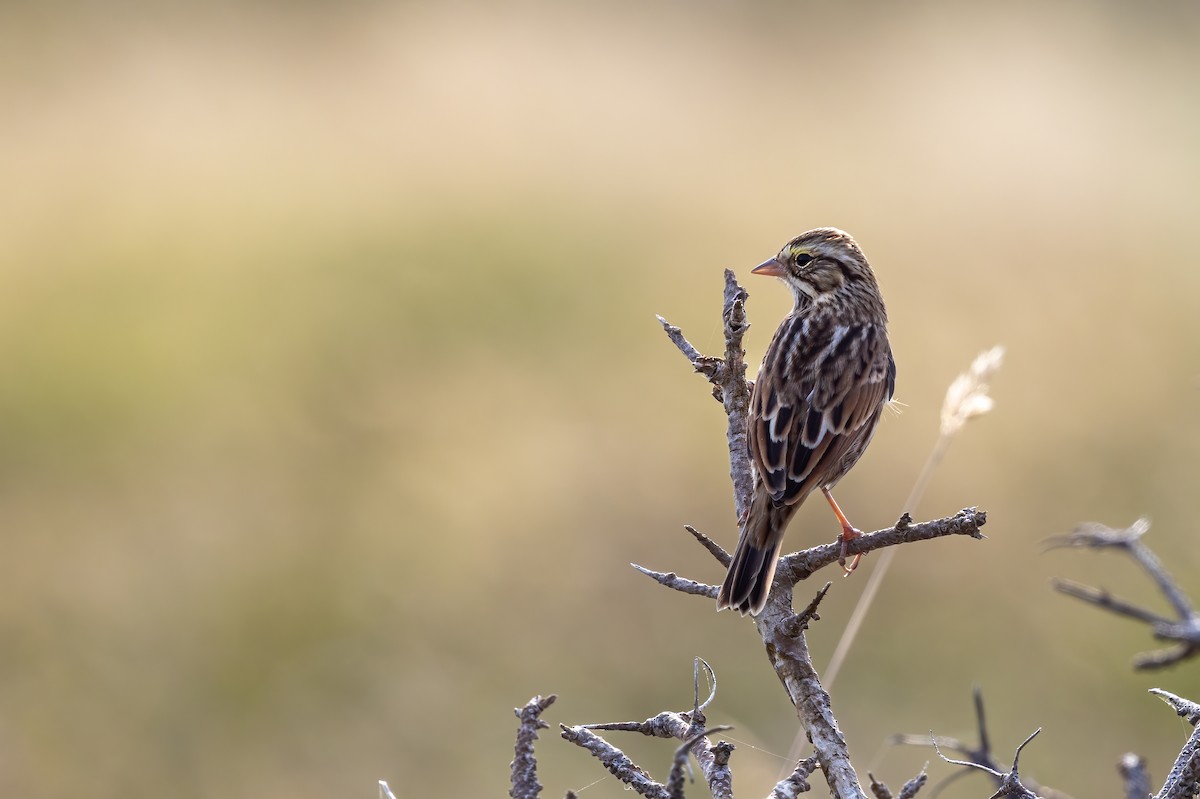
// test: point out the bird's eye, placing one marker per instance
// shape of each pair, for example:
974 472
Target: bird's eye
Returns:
803 259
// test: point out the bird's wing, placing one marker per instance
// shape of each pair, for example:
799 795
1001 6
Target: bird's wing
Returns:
816 403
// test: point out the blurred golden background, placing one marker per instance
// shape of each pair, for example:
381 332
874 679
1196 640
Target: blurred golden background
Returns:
333 406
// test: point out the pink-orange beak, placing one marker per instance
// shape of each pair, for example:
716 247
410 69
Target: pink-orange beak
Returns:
771 268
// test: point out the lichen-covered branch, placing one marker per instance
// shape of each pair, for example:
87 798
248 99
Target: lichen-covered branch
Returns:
524 765
687 726
1185 773
797 782
616 761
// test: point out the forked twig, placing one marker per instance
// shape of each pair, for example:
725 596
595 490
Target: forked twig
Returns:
1184 629
979 756
1010 782
688 726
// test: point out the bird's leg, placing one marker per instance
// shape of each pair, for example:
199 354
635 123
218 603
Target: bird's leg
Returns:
849 533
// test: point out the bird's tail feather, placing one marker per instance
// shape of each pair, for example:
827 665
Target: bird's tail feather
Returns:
753 566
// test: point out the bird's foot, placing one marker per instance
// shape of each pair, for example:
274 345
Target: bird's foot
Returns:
849 533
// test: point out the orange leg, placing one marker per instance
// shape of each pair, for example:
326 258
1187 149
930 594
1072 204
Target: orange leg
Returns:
849 533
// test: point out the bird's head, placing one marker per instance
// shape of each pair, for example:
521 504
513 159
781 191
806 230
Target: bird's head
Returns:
821 265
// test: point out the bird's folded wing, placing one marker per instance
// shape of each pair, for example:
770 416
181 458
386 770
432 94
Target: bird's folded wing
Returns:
805 425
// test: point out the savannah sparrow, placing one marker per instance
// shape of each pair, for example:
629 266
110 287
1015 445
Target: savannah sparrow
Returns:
824 381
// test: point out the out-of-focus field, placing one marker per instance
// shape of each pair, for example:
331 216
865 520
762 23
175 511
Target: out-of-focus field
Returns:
333 406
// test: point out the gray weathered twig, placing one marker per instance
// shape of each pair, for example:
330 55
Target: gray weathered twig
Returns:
980 756
1184 630
524 765
1010 782
1184 708
616 761
801 565
796 782
730 387
1185 773
713 758
907 791
714 549
687 726
1137 779
720 751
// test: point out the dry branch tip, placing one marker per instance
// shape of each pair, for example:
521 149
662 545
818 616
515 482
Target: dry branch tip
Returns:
1185 708
677 583
715 549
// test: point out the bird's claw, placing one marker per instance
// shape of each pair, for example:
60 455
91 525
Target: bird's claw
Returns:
848 535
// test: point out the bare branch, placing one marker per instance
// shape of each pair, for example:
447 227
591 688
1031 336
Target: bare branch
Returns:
1183 630
524 766
617 763
735 392
664 725
688 726
1137 778
910 788
796 782
728 376
979 757
1010 783
793 666
1161 658
908 791
800 565
1185 708
715 549
681 584
1017 756
985 743
698 706
799 623
1185 773
933 739
713 758
1186 632
675 778
685 346
1098 536
1106 601
878 788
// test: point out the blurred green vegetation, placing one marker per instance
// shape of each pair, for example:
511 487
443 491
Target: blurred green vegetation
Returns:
333 407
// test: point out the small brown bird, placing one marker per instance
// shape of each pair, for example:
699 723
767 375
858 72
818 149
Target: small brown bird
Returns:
824 381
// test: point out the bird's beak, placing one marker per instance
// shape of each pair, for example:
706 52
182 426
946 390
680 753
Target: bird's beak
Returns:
771 268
